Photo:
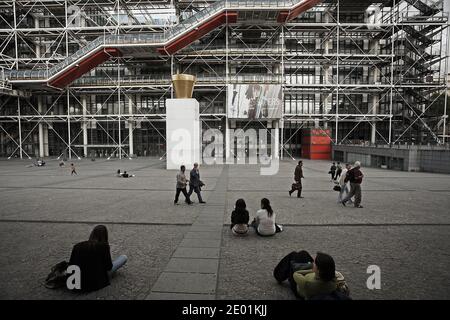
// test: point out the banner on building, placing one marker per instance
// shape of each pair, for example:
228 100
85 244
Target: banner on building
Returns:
254 101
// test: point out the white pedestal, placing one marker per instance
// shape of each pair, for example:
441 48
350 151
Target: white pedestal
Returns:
182 133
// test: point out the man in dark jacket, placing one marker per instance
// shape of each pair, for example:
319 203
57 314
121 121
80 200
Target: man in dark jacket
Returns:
338 171
333 171
355 177
298 176
195 183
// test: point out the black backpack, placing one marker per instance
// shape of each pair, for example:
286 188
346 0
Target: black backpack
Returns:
58 276
292 262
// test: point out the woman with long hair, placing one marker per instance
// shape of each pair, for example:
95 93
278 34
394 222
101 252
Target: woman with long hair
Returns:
93 257
239 218
322 281
264 222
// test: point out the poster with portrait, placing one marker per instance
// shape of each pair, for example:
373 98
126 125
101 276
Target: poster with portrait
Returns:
254 101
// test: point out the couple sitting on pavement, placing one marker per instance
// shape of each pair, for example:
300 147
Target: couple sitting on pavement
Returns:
124 174
264 222
312 279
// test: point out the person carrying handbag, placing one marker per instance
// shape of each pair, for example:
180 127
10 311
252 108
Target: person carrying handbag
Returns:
298 176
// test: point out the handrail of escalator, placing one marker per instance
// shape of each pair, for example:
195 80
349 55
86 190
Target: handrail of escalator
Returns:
151 38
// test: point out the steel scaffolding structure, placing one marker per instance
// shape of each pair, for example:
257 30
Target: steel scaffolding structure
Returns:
371 71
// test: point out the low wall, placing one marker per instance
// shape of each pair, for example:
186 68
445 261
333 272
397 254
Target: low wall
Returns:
406 158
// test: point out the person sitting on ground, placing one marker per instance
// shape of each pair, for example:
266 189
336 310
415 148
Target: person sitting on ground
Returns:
126 175
61 164
119 174
39 162
264 222
239 218
93 257
322 280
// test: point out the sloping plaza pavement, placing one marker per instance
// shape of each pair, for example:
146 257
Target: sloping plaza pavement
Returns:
188 252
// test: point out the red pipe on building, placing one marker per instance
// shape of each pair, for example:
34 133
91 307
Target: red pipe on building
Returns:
84 66
285 16
101 56
197 33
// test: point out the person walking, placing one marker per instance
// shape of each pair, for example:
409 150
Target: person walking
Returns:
345 187
72 170
355 176
195 183
181 186
332 171
298 176
338 171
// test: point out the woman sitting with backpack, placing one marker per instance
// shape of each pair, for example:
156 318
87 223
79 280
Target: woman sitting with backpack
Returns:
239 219
322 281
93 257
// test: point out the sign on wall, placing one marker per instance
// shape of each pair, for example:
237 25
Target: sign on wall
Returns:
254 101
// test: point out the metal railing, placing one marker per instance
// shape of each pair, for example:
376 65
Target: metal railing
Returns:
166 81
130 39
4 85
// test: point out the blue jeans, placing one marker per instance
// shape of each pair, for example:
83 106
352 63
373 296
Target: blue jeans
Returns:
117 264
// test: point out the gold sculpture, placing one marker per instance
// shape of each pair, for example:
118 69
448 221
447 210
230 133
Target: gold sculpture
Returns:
183 85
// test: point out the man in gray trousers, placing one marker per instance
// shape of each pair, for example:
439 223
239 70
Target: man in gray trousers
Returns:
355 177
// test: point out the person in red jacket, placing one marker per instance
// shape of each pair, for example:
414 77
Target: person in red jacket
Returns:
355 176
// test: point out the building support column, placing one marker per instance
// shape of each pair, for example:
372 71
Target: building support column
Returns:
130 127
282 138
46 153
41 129
277 140
69 138
85 126
227 141
19 120
373 132
375 48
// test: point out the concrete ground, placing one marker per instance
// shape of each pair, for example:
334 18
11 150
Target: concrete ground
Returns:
188 252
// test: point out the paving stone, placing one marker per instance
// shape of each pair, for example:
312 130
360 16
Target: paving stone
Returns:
405 219
203 235
185 252
212 228
179 296
186 283
200 243
192 265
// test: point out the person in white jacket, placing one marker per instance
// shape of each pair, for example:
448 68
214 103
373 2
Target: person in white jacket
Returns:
345 187
264 222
